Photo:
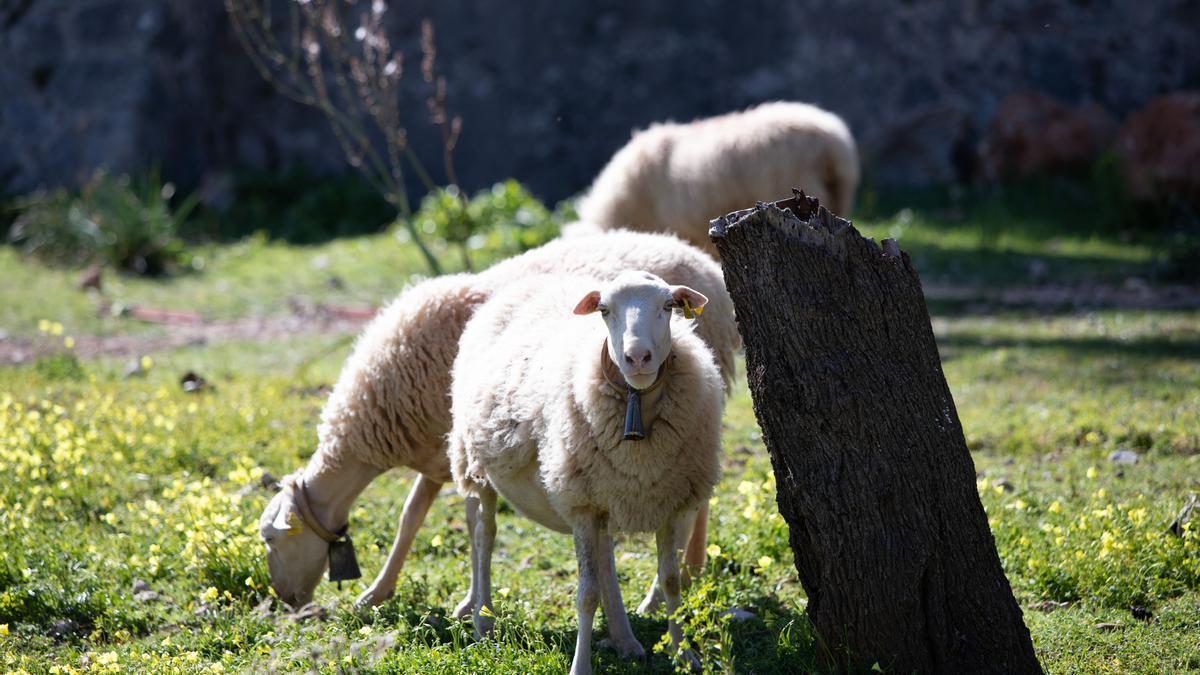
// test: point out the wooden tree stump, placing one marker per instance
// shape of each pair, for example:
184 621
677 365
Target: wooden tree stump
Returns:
875 480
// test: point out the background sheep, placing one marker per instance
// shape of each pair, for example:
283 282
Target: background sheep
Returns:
539 405
391 407
676 177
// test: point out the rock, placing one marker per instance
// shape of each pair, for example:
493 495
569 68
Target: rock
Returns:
1123 457
92 277
146 596
140 586
1034 134
63 629
739 615
1107 626
1159 148
134 368
192 383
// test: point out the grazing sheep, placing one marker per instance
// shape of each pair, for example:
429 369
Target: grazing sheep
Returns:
676 177
542 401
391 407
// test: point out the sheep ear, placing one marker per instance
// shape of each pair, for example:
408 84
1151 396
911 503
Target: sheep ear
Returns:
687 297
286 520
589 303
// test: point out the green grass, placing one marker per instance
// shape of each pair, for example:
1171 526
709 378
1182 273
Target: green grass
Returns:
110 480
983 244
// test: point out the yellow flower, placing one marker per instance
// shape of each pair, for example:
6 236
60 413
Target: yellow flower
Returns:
1055 506
504 592
1092 472
745 487
365 630
713 550
43 325
765 561
56 328
436 541
69 342
147 363
209 595
3 629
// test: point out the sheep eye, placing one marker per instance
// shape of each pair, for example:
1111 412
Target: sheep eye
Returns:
603 310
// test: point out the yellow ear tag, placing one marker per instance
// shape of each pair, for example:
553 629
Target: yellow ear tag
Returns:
690 312
294 526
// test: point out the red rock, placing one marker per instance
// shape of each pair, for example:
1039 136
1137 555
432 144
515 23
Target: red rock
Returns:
1159 148
1032 133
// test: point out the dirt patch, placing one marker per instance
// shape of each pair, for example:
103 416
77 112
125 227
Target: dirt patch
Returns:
307 319
14 351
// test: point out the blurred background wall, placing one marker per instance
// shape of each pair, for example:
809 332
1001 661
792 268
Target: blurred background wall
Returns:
549 89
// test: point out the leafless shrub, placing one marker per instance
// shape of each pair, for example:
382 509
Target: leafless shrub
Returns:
335 55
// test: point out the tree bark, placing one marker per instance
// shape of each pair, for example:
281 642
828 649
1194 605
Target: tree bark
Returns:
875 480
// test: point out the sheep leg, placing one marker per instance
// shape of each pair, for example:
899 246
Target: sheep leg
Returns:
588 596
667 540
467 606
424 492
484 536
697 548
699 532
620 634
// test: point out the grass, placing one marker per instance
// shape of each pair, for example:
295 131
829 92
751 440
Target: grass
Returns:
111 481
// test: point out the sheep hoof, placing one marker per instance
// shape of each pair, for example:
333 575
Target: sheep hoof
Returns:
630 650
651 604
464 609
373 597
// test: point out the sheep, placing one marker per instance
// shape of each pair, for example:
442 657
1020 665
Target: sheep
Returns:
538 400
390 407
676 177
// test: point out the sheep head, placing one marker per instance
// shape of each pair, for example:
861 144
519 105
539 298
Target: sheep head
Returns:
636 308
296 556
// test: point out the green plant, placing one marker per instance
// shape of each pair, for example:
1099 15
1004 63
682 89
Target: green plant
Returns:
499 221
115 221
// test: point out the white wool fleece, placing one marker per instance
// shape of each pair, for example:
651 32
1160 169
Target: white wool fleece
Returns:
677 177
529 394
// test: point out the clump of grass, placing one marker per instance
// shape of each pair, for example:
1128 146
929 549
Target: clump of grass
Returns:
119 222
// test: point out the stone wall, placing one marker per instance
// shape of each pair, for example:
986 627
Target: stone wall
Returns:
549 89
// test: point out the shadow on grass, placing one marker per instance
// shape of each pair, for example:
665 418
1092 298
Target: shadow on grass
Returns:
1148 347
779 639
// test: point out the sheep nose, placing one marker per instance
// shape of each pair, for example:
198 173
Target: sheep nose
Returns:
637 357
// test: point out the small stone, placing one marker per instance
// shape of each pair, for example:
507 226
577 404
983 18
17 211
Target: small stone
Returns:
63 629
739 615
192 383
139 586
1107 626
1123 457
146 596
